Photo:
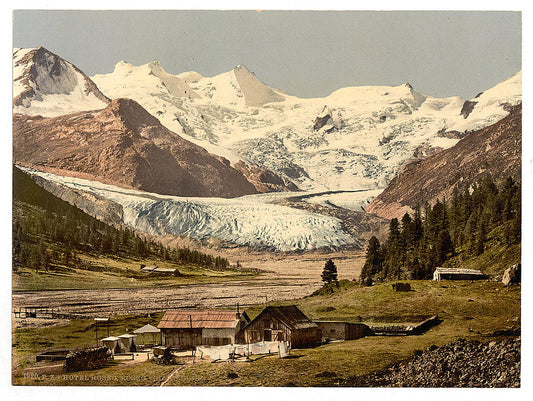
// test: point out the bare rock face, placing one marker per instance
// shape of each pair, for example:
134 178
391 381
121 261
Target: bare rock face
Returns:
124 145
264 180
494 150
255 92
512 275
468 106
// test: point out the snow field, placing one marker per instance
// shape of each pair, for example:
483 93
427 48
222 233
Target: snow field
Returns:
373 131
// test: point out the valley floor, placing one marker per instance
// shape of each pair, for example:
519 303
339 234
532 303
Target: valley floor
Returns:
485 311
282 277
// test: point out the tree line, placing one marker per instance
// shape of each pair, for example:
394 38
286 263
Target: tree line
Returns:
49 231
434 234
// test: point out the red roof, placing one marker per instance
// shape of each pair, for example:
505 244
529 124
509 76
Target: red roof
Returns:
198 319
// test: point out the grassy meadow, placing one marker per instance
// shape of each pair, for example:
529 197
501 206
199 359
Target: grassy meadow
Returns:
468 310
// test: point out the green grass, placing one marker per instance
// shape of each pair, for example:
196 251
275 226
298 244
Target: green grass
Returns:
495 259
117 272
468 310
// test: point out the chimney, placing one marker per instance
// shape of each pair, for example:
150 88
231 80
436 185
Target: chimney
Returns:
238 314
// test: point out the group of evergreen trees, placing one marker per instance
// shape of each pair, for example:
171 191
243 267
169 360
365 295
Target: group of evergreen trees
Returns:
48 231
419 243
45 240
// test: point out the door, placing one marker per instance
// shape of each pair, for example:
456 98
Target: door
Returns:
267 335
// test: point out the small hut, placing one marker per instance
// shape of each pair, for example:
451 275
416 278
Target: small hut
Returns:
113 343
128 342
187 328
447 273
160 271
153 332
332 330
283 323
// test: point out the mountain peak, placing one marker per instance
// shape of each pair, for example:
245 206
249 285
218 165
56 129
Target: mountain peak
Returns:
255 92
132 114
242 67
46 84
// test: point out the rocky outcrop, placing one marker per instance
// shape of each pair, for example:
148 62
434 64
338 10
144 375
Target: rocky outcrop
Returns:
512 275
98 207
264 180
468 106
328 120
126 146
495 150
459 364
321 121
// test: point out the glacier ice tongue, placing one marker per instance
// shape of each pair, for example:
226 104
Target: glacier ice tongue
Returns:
246 221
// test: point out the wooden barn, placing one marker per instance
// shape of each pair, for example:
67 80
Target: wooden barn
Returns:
187 328
342 330
283 323
446 273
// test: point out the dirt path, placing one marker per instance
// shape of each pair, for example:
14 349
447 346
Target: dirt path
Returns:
286 277
172 374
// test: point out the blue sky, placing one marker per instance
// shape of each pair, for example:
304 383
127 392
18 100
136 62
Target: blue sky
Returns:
305 53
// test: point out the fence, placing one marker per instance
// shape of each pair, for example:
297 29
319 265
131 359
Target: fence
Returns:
46 313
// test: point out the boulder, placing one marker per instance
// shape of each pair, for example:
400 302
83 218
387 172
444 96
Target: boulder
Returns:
512 275
401 287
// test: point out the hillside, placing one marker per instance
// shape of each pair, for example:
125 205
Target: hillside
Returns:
125 145
52 236
495 150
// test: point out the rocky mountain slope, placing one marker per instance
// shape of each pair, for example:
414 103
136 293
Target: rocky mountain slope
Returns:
45 84
355 138
494 150
125 145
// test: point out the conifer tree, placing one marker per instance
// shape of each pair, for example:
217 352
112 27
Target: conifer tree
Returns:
329 274
374 259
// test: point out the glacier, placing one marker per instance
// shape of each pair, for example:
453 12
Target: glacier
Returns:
245 221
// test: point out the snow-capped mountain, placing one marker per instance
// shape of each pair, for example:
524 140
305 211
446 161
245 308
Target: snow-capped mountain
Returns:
495 150
45 84
357 137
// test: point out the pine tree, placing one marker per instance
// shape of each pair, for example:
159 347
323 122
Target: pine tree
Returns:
394 250
374 260
329 274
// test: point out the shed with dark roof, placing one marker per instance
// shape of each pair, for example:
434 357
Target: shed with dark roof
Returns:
283 323
188 328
